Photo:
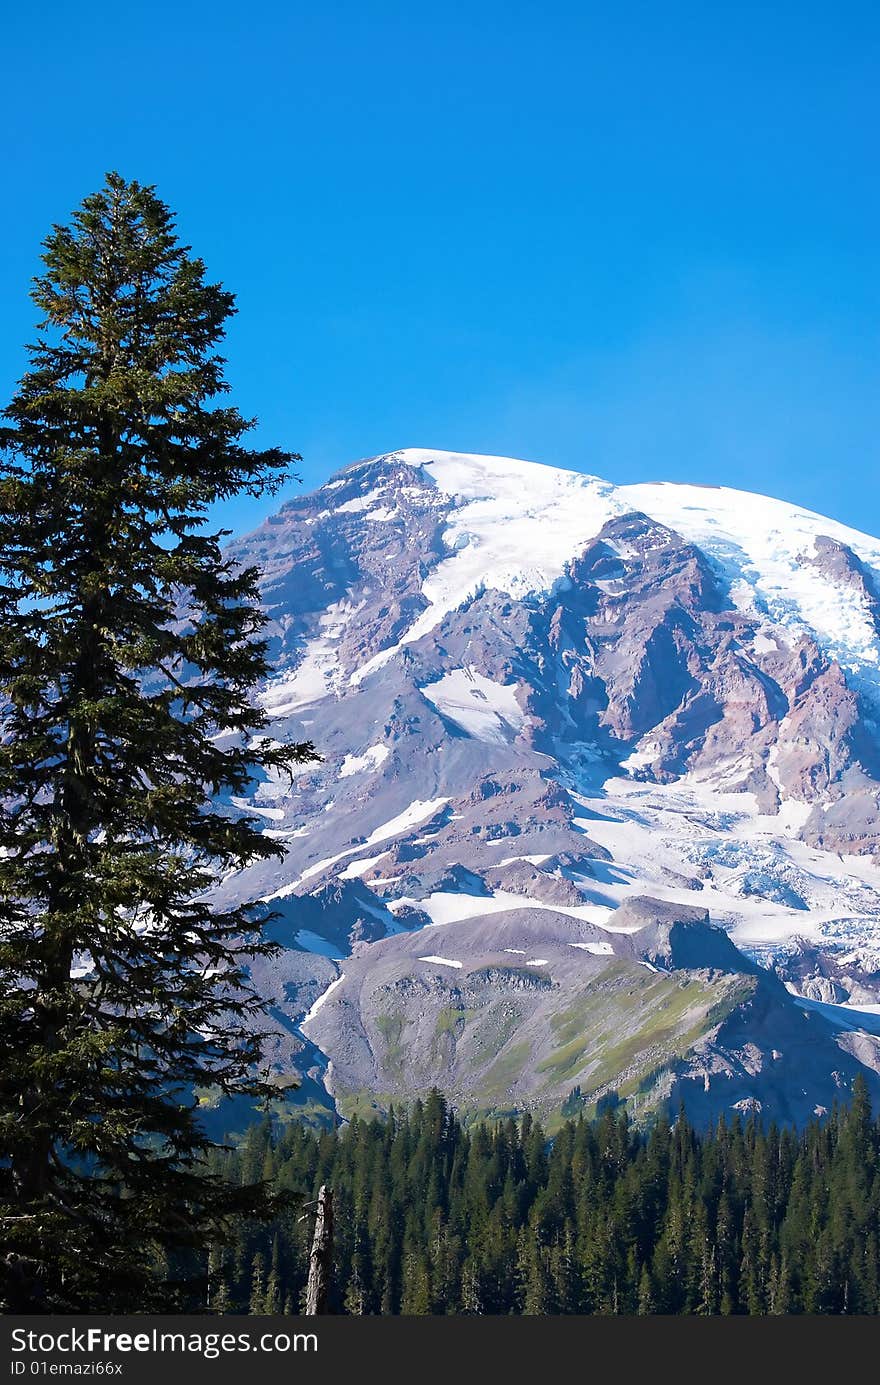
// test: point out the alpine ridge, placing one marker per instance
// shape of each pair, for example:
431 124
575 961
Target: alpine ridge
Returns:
598 814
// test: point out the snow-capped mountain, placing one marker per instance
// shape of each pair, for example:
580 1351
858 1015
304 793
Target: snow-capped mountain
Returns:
567 727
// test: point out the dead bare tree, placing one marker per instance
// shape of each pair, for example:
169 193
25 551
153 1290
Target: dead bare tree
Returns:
321 1256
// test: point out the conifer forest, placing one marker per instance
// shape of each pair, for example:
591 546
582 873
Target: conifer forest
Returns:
434 1218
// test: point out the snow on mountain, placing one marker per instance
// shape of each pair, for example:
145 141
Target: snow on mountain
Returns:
515 525
372 759
541 700
766 550
489 711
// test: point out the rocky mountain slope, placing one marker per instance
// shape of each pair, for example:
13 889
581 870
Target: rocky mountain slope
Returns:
597 814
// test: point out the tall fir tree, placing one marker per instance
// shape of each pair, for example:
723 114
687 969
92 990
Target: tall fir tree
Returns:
131 650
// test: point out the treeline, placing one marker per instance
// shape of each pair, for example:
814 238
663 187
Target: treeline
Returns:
433 1218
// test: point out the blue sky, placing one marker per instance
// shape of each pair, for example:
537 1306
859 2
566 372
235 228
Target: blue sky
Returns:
640 240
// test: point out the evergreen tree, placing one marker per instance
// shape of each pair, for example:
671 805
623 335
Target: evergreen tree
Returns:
538 1285
131 649
257 1300
219 1299
646 1301
272 1295
471 1297
416 1297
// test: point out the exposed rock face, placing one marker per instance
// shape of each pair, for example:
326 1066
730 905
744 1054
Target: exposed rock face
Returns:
674 937
829 977
521 877
849 823
640 718
668 1011
843 568
653 648
768 1057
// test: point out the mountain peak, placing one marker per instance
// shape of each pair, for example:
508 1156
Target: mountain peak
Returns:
541 698
469 475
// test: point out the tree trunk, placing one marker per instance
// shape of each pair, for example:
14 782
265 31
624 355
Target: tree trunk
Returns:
321 1257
